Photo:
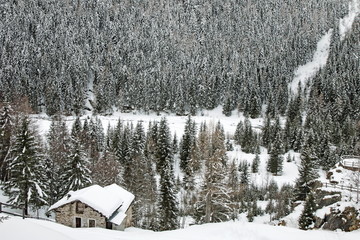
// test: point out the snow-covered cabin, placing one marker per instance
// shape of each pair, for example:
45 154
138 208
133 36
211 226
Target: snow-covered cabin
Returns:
95 206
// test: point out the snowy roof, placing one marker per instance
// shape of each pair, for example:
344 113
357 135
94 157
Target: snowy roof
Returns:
111 201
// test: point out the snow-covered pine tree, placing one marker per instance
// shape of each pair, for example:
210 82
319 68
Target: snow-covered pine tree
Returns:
175 145
116 137
293 124
245 175
255 164
307 217
25 186
77 128
57 154
307 172
227 107
6 132
168 205
266 133
275 163
76 173
123 155
233 182
187 141
135 178
143 184
249 138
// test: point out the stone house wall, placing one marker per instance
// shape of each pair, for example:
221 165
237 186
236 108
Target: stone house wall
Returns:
66 215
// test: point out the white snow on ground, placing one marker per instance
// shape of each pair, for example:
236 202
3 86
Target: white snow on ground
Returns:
176 123
18 229
263 177
345 23
305 72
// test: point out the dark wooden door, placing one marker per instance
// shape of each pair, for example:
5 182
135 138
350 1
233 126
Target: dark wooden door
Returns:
78 222
108 225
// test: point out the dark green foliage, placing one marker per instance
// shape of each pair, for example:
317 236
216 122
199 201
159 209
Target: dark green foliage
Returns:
244 177
168 205
239 132
187 141
175 144
275 162
227 108
307 175
266 132
293 127
163 145
246 137
6 132
307 217
77 129
255 164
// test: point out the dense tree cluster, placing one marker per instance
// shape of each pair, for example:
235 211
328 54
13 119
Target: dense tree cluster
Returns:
65 57
180 56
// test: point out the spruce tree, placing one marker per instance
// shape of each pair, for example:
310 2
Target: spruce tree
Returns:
163 145
238 135
255 164
307 217
76 173
307 174
266 132
275 163
227 108
6 133
167 203
244 178
57 154
187 141
26 185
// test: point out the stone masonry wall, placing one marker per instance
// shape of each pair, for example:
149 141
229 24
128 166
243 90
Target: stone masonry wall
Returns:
66 215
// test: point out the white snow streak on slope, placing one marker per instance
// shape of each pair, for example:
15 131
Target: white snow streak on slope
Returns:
345 23
305 72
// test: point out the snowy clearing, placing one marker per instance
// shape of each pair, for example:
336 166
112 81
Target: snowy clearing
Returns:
176 123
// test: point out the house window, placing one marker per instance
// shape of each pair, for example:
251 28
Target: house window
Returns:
80 207
78 222
92 223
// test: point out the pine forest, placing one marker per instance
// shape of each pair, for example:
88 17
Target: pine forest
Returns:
97 58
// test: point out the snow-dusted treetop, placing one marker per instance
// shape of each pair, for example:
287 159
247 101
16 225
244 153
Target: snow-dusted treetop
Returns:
112 201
